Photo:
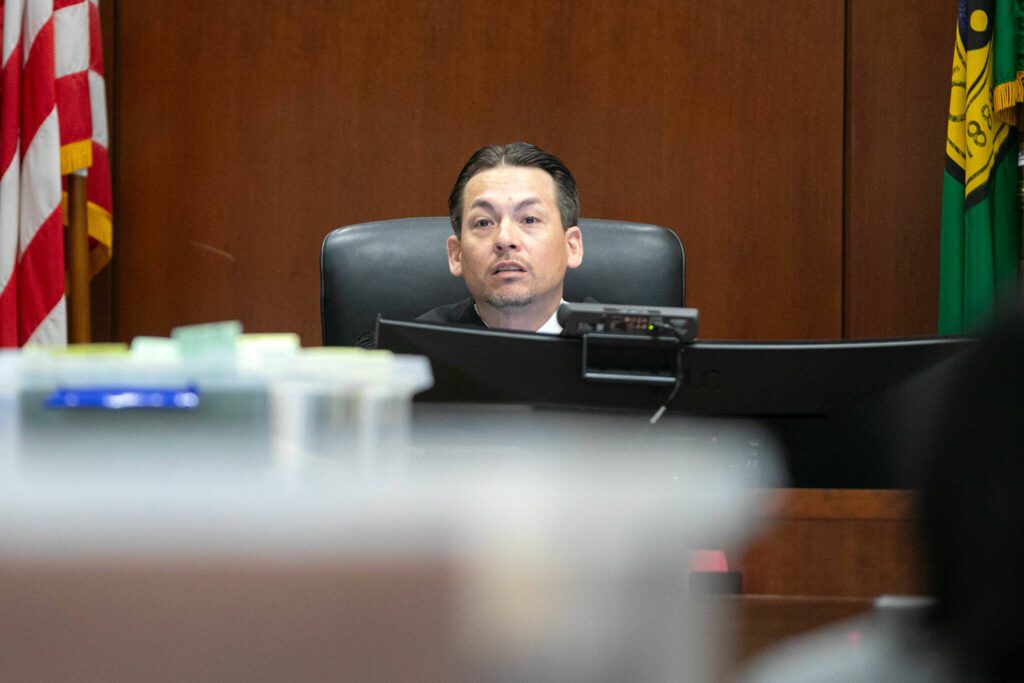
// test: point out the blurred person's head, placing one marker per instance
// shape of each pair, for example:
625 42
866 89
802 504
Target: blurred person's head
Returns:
973 507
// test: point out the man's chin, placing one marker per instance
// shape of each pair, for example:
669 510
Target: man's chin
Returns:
502 301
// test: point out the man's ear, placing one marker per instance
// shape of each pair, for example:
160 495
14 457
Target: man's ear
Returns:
574 246
455 256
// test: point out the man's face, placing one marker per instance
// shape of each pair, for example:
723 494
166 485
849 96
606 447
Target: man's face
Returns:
513 251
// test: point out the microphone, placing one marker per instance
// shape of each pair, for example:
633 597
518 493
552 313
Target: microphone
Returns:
564 311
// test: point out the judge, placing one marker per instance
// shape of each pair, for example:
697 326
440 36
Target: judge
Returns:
514 211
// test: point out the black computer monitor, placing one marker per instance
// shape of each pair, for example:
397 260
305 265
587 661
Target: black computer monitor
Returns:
842 409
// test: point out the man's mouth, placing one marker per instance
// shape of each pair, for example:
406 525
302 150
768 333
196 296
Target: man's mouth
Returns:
509 267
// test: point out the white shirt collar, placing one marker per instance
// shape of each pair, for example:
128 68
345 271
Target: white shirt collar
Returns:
552 326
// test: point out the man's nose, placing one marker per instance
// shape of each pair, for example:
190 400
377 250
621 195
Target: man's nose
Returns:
508 236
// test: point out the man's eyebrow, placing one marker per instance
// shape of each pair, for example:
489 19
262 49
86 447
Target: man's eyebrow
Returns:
522 204
483 204
529 201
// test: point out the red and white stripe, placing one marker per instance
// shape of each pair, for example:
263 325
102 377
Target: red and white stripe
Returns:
98 190
32 304
82 108
71 54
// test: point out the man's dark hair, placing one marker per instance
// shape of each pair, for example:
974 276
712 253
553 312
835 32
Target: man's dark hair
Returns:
517 154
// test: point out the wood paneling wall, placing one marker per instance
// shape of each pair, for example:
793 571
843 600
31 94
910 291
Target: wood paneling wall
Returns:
245 130
897 96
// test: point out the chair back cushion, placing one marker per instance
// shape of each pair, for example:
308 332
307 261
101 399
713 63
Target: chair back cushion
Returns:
399 269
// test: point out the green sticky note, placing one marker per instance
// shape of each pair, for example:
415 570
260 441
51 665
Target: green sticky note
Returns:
219 337
155 348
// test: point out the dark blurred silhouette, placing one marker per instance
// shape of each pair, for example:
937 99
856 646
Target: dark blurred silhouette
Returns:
973 508
969 461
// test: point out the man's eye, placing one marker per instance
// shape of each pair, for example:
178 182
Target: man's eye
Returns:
531 220
481 222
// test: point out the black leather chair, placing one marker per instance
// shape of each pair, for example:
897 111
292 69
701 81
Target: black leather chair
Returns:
399 268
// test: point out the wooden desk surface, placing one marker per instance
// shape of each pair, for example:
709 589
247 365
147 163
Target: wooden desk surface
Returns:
836 543
753 623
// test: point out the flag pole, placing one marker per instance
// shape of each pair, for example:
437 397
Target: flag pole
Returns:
78 262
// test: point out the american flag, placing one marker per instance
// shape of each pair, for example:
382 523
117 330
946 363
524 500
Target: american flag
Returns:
32 303
82 106
52 121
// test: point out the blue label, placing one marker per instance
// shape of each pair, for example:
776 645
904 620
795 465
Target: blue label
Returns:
125 398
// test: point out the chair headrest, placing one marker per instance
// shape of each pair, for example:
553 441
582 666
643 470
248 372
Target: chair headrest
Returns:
399 268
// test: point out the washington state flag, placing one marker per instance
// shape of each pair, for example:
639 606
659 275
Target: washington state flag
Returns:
981 222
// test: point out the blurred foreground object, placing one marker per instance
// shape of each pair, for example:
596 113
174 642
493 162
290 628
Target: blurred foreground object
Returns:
541 565
973 525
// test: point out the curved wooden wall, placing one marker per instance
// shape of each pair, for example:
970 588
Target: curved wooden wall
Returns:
794 146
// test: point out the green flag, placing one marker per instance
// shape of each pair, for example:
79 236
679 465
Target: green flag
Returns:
981 215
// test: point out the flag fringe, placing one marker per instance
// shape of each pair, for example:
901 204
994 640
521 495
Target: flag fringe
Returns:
1006 97
75 155
101 229
101 233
